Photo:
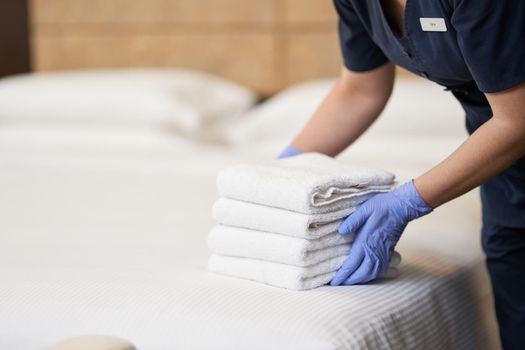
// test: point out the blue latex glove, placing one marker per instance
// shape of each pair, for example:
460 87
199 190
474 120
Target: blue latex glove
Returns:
289 151
378 223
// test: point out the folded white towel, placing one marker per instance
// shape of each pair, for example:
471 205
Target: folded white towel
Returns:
308 183
247 243
285 276
260 217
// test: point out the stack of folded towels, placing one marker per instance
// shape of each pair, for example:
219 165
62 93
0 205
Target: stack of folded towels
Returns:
278 221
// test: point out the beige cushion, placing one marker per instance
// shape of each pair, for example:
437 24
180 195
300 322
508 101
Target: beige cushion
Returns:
93 342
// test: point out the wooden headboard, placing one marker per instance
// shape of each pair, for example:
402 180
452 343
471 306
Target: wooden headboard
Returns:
264 44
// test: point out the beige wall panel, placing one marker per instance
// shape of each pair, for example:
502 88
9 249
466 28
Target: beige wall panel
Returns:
227 10
144 28
310 11
312 56
248 59
73 11
81 11
266 44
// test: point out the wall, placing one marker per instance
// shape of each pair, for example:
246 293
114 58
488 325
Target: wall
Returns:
266 45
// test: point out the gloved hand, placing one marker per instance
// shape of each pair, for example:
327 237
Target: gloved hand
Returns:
378 223
289 151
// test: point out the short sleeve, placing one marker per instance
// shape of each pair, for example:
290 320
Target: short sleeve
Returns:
360 53
491 37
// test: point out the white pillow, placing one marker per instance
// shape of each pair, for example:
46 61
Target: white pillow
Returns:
417 107
420 107
94 139
281 116
175 98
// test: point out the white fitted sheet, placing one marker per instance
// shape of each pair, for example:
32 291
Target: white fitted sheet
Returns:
432 305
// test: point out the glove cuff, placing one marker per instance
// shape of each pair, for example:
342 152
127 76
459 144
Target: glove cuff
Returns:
416 204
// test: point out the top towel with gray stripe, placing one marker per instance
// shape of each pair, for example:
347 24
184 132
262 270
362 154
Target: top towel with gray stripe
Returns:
309 183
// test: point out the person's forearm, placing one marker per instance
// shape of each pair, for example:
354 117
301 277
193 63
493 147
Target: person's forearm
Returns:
340 120
348 110
487 152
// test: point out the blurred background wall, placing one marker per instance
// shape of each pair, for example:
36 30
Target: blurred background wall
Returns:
266 45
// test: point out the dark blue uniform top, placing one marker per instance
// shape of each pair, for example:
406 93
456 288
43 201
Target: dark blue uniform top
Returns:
482 50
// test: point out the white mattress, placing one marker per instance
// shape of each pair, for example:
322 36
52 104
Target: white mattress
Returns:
104 231
117 246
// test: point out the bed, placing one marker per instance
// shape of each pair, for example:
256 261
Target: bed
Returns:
110 238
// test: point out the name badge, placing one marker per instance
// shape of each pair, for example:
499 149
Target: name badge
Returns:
433 24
